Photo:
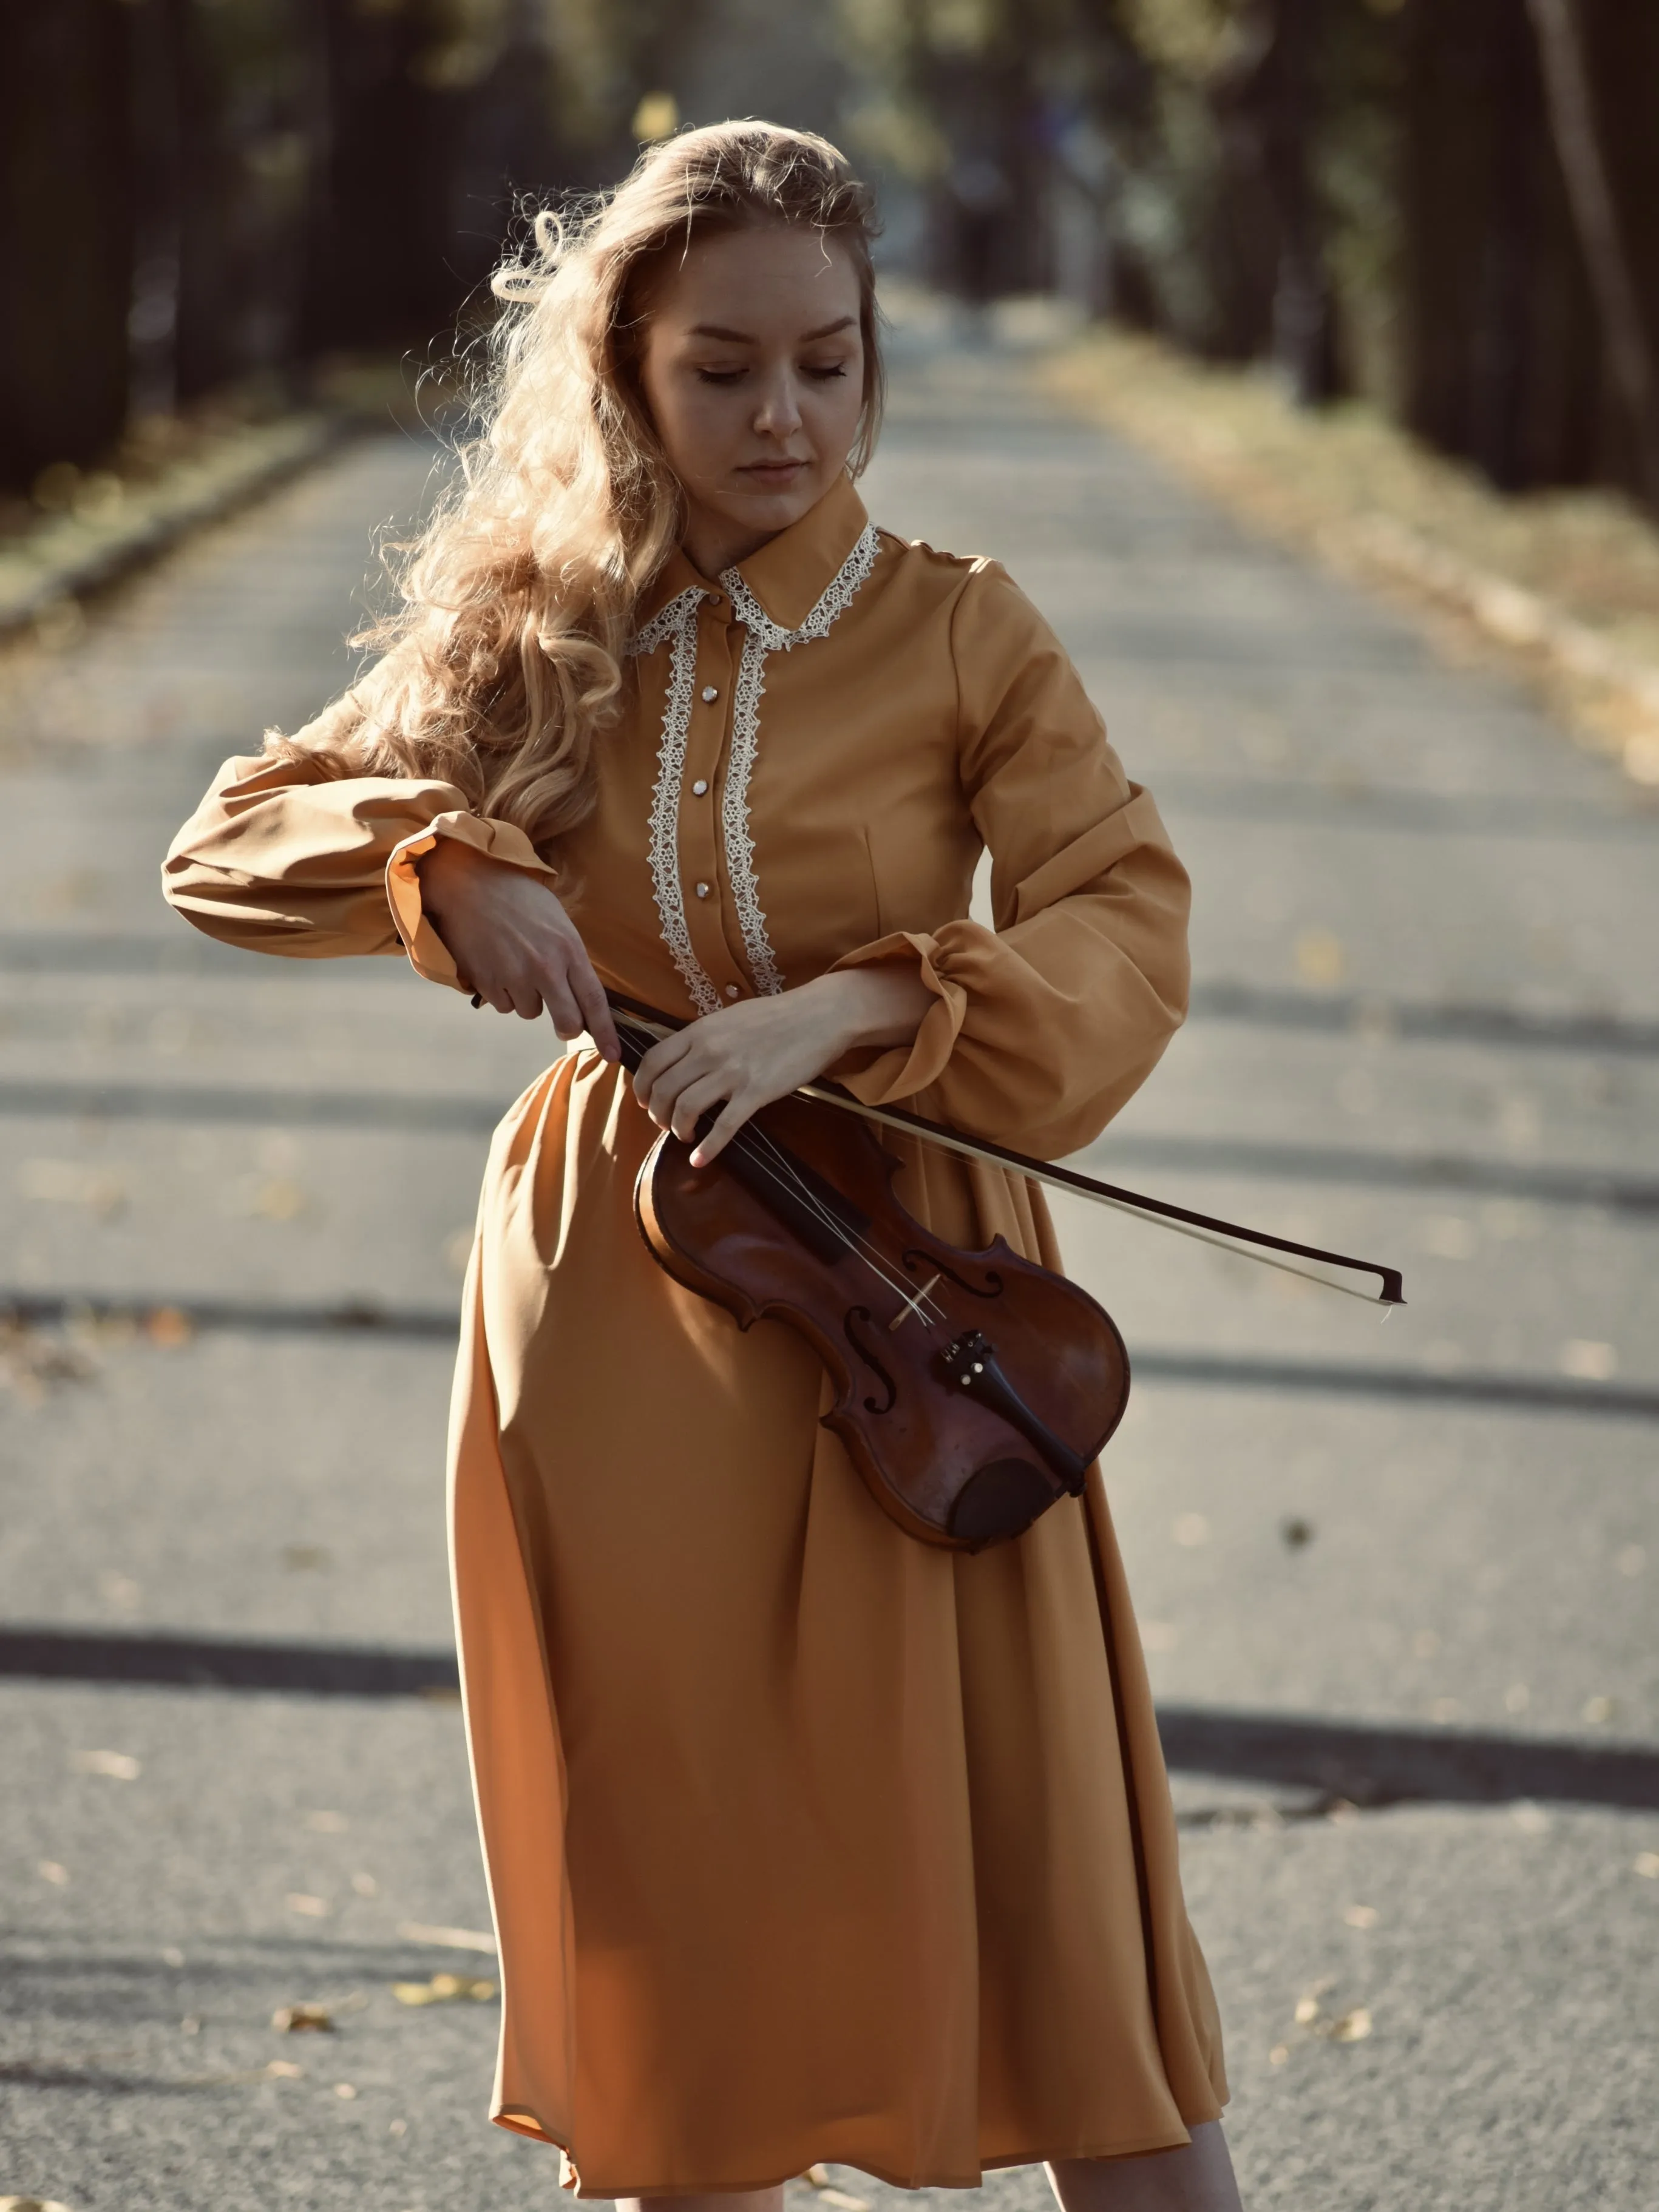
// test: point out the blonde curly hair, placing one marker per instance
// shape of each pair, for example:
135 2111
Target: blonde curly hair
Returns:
504 659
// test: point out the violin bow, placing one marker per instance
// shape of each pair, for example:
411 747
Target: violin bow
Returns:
1205 1228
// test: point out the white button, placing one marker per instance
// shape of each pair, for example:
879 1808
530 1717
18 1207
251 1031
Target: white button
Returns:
699 789
702 890
731 990
711 693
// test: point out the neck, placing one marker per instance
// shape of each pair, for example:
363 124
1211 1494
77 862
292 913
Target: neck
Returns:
712 545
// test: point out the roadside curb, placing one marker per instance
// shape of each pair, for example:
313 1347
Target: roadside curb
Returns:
66 559
1606 692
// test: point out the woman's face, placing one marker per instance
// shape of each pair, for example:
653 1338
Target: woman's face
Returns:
753 368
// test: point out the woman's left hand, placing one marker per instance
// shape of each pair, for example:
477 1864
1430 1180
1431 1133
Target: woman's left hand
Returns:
743 1057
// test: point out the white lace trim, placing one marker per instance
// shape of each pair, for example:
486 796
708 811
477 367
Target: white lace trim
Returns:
678 620
762 636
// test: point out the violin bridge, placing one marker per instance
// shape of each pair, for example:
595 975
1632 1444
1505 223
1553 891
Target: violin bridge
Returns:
912 1305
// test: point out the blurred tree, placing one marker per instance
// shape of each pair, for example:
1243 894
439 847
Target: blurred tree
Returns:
1585 118
196 194
65 232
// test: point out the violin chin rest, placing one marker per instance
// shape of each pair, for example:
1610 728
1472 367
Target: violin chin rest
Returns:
999 1500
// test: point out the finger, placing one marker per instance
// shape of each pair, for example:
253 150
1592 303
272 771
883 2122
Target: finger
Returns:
527 1001
562 1010
735 1112
596 1010
687 1070
695 1100
497 997
656 1063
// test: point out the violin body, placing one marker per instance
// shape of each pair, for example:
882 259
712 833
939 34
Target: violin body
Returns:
972 1389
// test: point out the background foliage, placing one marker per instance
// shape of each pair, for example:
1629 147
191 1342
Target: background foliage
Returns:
1445 205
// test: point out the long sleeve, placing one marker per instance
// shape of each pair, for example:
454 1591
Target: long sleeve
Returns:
282 857
1043 1028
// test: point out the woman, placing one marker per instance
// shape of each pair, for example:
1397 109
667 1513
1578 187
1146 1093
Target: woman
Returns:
805 1841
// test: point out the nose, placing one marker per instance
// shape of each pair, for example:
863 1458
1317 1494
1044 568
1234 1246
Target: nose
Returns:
778 413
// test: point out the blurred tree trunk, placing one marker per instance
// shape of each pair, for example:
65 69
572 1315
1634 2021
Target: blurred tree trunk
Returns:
1270 94
1501 345
65 232
377 268
1501 359
1579 137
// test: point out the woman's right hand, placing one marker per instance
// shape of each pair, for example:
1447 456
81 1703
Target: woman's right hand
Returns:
511 939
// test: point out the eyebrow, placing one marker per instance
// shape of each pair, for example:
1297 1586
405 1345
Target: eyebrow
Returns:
747 337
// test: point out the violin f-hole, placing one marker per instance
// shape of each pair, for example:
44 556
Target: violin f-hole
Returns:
862 1313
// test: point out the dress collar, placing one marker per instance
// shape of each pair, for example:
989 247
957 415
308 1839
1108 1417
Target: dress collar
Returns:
787 576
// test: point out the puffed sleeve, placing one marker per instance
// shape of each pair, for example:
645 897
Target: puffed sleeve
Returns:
1042 1029
286 855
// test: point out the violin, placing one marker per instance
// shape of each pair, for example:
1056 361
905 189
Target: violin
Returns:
973 1389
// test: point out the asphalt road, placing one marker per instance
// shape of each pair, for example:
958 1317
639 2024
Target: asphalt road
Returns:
1396 1581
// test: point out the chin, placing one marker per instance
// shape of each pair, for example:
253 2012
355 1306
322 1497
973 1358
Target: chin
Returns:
781 506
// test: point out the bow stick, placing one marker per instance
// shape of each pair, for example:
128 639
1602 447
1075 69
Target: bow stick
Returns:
1229 1236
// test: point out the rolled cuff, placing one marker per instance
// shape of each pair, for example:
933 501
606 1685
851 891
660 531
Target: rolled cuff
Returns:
882 1075
429 955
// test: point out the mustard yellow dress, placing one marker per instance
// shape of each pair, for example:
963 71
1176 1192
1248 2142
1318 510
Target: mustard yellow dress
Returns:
805 1841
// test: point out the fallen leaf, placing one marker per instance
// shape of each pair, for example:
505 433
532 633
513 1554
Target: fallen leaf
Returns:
73 1182
1353 2027
284 2070
453 1939
343 2089
1449 1236
31 2204
818 2176
167 1328
116 1765
444 1988
278 1199
365 1885
314 1908
1361 1915
302 2020
1647 1863
1590 1361
1278 2054
841 2202
1598 1712
1319 958
50 1870
1307 2011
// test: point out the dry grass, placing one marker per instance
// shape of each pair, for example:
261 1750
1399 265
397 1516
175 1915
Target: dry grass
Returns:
1564 586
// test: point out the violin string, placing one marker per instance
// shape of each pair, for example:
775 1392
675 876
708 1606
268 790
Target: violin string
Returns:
788 1178
791 1168
756 1144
